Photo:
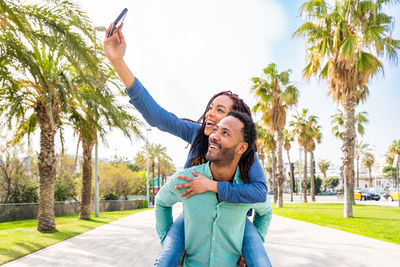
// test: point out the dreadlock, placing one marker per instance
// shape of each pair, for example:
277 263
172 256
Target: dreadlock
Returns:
200 143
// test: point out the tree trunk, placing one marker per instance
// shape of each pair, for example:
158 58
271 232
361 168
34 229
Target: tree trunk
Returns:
274 180
87 177
305 177
291 176
280 177
312 182
47 167
370 177
349 137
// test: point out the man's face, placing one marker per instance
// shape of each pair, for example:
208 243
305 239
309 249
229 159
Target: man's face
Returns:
226 141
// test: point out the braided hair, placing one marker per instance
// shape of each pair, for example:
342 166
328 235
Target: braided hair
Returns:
200 143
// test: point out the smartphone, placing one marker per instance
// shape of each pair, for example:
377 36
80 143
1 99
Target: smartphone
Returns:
118 21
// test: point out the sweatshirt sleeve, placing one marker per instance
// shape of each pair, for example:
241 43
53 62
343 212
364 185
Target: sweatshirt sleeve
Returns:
165 199
254 192
158 117
262 218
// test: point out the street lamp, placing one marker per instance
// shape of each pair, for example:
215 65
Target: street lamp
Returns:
96 154
147 167
397 190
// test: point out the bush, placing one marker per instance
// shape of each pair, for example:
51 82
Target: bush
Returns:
143 203
111 196
317 183
64 189
26 194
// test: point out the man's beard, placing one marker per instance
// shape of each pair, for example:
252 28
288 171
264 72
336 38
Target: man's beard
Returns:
224 157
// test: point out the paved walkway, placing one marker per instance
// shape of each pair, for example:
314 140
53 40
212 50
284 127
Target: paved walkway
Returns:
132 241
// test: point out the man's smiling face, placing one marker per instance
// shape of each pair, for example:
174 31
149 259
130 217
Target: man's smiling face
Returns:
224 140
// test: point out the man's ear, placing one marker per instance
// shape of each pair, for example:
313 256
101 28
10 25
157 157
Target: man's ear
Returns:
241 148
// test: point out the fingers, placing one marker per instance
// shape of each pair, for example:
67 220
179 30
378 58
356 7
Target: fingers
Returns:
195 173
191 194
182 186
185 178
109 29
121 35
187 191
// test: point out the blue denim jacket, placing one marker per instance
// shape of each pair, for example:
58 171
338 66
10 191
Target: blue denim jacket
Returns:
158 117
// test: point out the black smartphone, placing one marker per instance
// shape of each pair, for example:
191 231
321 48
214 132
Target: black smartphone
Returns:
118 21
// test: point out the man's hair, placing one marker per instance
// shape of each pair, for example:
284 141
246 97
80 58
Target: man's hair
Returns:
249 133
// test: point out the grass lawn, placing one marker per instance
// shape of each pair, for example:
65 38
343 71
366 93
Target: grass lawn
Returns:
372 221
20 238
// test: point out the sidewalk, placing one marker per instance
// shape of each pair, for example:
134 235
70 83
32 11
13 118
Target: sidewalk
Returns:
132 241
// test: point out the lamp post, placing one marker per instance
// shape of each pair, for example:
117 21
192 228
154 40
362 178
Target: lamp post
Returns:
300 165
147 168
96 150
397 190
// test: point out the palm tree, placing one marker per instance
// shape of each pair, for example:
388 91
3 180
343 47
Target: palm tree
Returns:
314 136
344 43
368 161
300 130
323 166
337 120
261 149
394 149
287 138
337 129
166 167
275 95
361 149
93 112
40 45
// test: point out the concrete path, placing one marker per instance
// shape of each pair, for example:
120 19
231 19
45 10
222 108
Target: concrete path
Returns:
132 241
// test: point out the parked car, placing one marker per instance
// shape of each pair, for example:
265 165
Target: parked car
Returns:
394 194
364 194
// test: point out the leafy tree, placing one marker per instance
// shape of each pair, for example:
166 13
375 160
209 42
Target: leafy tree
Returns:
344 43
330 182
275 95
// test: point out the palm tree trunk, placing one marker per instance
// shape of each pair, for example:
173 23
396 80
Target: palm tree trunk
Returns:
305 177
349 137
370 177
291 175
274 176
312 182
281 178
47 168
87 177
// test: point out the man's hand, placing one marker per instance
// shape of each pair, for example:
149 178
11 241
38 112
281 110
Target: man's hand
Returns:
197 185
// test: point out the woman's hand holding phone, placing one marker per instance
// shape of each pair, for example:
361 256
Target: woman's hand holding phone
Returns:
115 45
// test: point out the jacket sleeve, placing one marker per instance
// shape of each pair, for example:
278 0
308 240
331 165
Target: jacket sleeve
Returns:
255 191
165 199
158 117
262 218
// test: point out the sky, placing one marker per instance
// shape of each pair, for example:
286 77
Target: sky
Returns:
185 51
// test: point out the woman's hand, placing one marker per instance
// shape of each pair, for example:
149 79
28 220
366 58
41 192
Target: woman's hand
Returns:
197 185
114 46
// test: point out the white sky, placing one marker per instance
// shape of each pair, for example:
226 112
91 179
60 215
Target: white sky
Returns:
184 51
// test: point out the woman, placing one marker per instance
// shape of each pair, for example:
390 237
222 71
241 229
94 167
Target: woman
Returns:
197 135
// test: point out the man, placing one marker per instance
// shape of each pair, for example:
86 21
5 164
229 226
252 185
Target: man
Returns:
213 229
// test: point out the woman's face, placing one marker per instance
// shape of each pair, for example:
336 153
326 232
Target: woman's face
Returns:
218 109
